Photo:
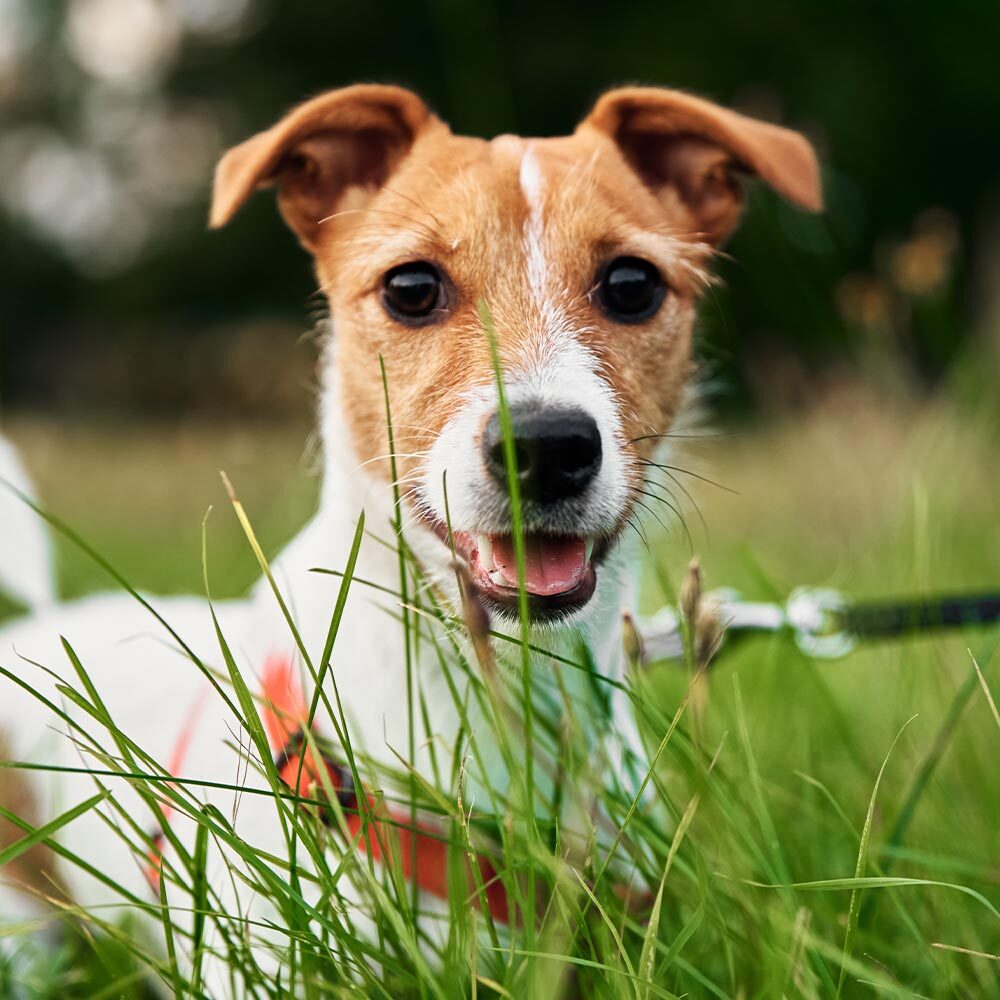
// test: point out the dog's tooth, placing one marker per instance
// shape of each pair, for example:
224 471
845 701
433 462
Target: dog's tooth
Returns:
498 579
485 552
589 549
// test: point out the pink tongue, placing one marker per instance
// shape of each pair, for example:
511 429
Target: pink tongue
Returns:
551 565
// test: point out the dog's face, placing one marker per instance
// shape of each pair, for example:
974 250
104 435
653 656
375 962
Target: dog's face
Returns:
584 254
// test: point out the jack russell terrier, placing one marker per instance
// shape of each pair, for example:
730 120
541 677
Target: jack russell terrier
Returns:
585 255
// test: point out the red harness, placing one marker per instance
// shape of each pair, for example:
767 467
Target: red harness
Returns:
389 837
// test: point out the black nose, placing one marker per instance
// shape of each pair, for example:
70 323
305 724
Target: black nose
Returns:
558 451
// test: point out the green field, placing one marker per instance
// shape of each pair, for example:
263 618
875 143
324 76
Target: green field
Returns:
767 807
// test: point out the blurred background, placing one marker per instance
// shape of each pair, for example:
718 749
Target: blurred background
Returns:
139 352
849 364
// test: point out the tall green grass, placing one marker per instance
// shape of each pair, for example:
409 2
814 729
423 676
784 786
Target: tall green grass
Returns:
830 830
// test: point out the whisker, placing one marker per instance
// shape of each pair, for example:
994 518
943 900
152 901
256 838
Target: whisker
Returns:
415 228
413 201
641 534
677 513
688 472
405 496
652 513
414 479
415 427
687 494
677 435
383 211
389 455
411 483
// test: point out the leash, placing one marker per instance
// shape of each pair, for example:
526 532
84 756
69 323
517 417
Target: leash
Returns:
823 622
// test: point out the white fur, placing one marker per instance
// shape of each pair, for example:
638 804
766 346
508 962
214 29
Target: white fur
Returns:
533 188
547 296
25 555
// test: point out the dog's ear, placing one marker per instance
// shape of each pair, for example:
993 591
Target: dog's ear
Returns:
689 152
349 138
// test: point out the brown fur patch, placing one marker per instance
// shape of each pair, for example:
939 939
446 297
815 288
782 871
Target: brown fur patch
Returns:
35 868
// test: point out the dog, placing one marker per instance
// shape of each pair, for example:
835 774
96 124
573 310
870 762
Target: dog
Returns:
579 261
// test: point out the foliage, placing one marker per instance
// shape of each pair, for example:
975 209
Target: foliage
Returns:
772 866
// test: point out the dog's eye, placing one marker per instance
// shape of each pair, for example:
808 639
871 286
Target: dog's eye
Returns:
412 292
631 289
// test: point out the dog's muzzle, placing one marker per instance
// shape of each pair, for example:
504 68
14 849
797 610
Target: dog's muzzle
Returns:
557 452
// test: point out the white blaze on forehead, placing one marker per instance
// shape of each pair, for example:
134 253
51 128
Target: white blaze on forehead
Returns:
532 181
533 188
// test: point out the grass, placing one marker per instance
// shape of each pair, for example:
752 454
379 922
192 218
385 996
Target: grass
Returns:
830 830
138 492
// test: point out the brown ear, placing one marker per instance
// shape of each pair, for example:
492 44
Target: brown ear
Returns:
688 151
354 137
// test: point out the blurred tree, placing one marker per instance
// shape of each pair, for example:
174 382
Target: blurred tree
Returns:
114 111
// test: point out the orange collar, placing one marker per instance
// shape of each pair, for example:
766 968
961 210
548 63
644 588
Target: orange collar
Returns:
389 837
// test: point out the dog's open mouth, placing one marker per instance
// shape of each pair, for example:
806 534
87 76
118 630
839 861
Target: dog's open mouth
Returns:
559 570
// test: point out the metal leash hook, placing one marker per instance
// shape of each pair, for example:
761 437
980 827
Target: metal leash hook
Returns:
662 638
818 617
822 621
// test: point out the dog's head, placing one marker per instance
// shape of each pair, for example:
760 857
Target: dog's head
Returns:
589 252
